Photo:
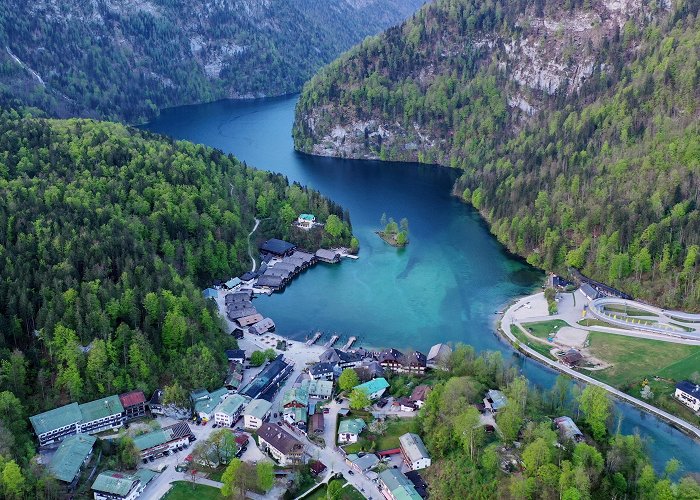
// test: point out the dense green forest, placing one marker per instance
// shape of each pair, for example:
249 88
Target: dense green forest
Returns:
107 237
601 175
125 60
470 463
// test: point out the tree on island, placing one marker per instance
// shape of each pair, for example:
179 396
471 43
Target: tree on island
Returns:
394 233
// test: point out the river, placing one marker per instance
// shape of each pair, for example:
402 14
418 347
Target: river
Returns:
443 287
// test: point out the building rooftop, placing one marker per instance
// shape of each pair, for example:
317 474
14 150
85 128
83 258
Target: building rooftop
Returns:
324 254
296 395
101 408
161 436
689 388
232 404
280 439
70 456
132 398
420 392
277 247
412 445
321 369
498 399
320 388
260 383
56 418
207 405
373 385
234 354
399 485
307 217
233 282
258 408
439 352
298 414
568 428
364 462
351 426
210 293
390 355
115 483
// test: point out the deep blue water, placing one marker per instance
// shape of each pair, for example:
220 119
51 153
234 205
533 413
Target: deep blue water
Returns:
443 287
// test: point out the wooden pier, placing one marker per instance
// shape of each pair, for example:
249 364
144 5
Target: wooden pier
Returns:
332 341
313 339
349 343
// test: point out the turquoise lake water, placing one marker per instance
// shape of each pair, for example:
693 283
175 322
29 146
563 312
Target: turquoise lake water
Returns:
443 287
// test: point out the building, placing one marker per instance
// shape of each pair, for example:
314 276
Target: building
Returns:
439 355
395 486
256 413
112 485
306 221
235 355
54 425
295 406
572 357
277 248
320 389
266 384
233 283
414 452
70 457
420 394
134 404
234 377
418 483
369 369
101 415
317 423
246 321
495 400
589 292
413 362
374 388
230 410
322 371
350 429
688 393
340 359
568 429
405 404
283 447
391 359
210 293
205 402
264 326
157 442
329 256
362 463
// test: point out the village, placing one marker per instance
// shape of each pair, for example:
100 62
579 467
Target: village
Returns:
302 408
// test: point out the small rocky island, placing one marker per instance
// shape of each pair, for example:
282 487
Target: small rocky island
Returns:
394 234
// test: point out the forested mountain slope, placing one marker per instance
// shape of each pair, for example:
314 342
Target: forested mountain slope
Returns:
125 59
107 237
576 124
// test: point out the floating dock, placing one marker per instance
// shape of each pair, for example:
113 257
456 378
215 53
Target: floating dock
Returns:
349 343
313 339
332 341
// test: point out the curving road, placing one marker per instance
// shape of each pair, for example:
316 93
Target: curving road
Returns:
506 323
250 252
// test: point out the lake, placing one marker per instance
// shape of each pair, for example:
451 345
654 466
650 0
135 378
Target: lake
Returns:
443 287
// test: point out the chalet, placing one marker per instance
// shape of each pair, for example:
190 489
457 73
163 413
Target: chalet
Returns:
306 221
589 292
404 404
277 248
362 463
568 429
391 359
395 486
70 457
572 357
230 410
256 413
413 362
321 389
134 404
340 359
350 429
112 485
205 402
374 388
414 452
261 327
317 468
268 381
295 405
155 403
420 394
283 447
439 355
157 442
234 377
495 400
235 355
317 423
688 393
328 256
322 371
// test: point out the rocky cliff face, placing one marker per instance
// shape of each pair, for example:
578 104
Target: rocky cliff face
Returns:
127 58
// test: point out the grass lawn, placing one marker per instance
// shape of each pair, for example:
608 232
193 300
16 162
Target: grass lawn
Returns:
636 359
630 311
349 493
183 490
532 344
544 329
593 322
394 429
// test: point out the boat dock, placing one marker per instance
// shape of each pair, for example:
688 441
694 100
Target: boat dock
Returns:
332 341
313 339
349 343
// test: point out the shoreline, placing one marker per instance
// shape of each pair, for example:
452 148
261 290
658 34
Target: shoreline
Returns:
506 318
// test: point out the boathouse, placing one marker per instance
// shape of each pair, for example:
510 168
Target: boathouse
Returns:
278 248
329 256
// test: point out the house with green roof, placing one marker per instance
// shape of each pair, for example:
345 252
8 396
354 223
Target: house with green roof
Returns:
322 389
296 397
255 413
350 429
395 486
52 426
157 442
101 415
70 457
111 485
374 388
229 410
205 406
306 221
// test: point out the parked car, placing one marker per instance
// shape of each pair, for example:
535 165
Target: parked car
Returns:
215 425
326 410
151 459
351 473
145 460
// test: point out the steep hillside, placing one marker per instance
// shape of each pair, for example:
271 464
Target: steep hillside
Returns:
128 58
576 124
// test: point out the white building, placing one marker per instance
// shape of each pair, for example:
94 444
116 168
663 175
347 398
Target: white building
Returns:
111 485
688 394
230 410
349 430
283 447
306 221
256 413
414 453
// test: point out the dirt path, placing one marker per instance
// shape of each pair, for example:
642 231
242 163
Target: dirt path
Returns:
250 252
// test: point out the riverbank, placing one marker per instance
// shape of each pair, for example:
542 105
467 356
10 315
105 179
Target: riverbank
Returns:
510 318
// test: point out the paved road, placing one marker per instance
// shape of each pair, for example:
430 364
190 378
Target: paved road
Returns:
506 323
